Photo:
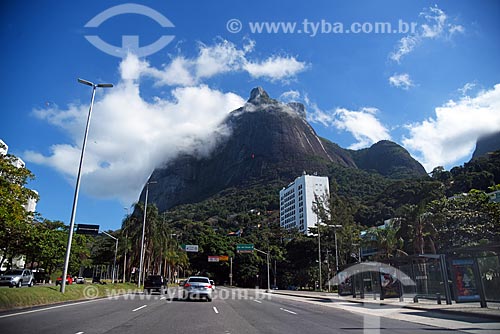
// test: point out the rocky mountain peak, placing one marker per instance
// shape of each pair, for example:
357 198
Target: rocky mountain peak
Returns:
258 95
270 141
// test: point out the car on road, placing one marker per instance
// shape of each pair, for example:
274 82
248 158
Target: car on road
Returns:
213 284
154 283
197 287
17 278
69 280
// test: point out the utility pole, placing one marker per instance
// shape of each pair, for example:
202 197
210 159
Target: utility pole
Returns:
275 274
231 272
268 275
328 268
319 256
125 255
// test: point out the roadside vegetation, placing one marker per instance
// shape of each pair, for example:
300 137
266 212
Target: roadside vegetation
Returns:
44 294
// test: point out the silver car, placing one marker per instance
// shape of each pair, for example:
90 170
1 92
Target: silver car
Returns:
198 287
17 277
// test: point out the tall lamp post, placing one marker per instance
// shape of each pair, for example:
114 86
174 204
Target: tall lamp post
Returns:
116 250
77 187
125 254
319 255
268 264
336 248
141 264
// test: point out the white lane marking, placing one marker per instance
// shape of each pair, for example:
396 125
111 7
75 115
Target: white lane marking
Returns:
137 309
284 309
79 332
51 307
257 301
216 310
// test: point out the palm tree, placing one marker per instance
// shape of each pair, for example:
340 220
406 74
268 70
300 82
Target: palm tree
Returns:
387 241
418 229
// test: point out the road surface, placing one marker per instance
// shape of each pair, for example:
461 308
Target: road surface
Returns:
231 311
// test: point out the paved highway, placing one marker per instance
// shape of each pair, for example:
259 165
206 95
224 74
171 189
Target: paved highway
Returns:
231 311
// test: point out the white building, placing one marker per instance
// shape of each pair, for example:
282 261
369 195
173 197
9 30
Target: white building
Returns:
296 202
3 148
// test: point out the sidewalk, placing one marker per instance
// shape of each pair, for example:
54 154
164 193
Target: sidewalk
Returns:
464 309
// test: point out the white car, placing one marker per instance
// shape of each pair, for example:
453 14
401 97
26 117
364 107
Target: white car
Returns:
198 287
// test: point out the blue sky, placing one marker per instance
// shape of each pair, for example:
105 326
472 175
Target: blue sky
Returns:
434 89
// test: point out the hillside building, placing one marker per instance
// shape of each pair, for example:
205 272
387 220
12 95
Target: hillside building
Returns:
296 202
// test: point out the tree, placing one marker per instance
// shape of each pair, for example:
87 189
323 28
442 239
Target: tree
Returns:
417 229
465 220
14 219
387 241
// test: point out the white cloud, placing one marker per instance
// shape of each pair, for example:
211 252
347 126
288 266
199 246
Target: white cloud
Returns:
436 24
452 133
275 68
290 96
129 137
401 81
405 46
212 60
362 124
466 88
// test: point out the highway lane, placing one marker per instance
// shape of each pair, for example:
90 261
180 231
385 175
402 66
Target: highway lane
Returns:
231 311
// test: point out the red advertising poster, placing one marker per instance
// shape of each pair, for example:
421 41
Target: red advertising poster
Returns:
465 280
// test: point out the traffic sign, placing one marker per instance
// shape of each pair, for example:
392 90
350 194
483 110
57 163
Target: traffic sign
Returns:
244 248
224 258
212 258
192 248
87 229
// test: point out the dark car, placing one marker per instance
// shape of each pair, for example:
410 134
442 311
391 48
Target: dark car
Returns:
154 283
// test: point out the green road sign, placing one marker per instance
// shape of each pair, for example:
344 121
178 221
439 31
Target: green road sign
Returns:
244 248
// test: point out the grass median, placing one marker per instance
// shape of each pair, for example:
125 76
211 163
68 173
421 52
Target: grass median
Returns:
45 295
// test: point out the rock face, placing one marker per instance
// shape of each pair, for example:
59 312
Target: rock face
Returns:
487 144
389 159
269 141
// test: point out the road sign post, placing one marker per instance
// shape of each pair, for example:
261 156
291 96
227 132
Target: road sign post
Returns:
244 248
87 229
190 248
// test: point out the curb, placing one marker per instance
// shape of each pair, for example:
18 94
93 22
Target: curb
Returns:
438 310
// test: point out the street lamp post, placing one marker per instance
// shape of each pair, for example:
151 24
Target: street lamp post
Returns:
141 264
268 274
116 250
319 256
77 187
125 253
336 249
328 269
